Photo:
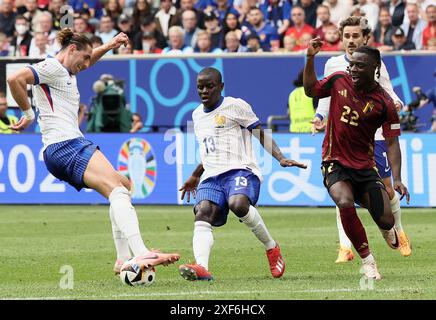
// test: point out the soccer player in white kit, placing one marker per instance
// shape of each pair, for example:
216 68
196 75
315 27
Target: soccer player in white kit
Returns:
355 33
67 154
228 177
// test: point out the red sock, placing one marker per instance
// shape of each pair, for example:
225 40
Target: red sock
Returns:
354 230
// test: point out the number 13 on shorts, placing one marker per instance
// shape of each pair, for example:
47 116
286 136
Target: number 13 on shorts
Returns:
241 182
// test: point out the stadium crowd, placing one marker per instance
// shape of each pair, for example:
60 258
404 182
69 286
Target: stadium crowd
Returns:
28 27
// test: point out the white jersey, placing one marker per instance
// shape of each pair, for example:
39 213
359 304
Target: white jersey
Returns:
224 137
340 63
57 98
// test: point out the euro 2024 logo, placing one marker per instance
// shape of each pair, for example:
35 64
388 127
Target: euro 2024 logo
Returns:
136 161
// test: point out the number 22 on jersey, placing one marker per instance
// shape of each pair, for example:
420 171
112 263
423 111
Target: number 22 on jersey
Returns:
349 116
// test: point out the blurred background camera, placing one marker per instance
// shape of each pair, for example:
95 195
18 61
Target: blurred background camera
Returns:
408 119
108 108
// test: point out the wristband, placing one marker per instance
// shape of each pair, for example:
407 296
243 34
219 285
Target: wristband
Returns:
319 116
29 114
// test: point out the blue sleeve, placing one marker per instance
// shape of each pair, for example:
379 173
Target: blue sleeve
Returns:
35 74
287 7
264 8
253 125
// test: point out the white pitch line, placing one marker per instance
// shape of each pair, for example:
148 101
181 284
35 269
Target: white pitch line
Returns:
169 294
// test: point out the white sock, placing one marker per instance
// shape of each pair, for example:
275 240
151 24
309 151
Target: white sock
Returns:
202 243
368 259
396 211
125 217
254 221
343 239
120 241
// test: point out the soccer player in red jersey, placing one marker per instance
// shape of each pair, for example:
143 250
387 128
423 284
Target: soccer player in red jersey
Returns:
359 105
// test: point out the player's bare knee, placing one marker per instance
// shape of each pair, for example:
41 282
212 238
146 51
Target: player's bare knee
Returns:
202 216
344 203
239 205
204 211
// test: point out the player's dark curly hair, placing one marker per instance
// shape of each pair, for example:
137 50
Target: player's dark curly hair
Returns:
355 21
212 72
374 54
67 37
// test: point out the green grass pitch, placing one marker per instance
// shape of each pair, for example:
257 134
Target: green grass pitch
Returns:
36 241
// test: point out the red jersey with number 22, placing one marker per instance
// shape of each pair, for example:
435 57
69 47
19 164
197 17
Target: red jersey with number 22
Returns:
353 119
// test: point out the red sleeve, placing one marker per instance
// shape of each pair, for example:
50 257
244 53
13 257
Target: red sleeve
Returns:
322 88
425 38
391 127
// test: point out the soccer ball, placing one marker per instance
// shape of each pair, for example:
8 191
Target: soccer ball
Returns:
133 274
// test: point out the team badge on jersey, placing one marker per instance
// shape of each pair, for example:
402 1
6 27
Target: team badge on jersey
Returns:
219 121
136 161
368 107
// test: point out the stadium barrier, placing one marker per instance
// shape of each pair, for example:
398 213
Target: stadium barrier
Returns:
159 163
162 89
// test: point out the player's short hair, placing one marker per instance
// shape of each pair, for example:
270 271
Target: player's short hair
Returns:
372 52
67 37
212 72
355 21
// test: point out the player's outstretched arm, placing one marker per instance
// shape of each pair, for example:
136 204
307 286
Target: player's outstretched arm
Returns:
116 42
18 82
268 143
190 185
394 158
309 75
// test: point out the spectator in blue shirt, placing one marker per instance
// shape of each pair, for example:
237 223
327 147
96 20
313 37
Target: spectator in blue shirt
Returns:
268 36
93 6
277 12
222 8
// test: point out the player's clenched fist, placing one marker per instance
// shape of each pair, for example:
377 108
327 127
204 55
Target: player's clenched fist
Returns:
314 46
120 39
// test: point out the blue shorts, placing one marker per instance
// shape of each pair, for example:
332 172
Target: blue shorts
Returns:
220 188
67 160
381 159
